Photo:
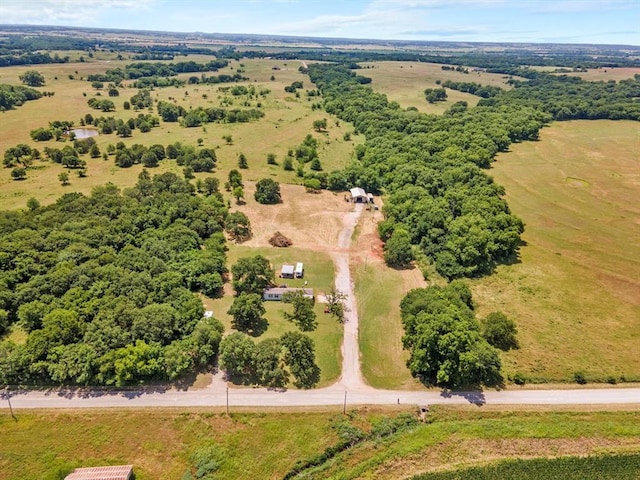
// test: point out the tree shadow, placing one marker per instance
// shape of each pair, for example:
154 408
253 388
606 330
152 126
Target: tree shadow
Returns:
259 328
475 397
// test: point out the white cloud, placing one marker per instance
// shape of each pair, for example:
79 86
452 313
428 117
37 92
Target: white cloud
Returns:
47 12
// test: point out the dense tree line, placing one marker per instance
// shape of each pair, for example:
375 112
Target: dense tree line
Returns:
571 98
12 96
430 168
138 70
170 112
103 284
484 91
444 338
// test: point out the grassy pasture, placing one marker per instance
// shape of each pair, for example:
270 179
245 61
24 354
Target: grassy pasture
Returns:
405 82
575 294
287 121
160 442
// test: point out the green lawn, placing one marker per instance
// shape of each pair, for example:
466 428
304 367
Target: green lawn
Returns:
320 276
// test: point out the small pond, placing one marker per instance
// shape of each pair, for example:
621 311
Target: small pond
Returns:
81 133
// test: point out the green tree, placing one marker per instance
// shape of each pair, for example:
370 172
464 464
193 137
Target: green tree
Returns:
320 125
33 204
32 78
19 173
287 164
252 275
267 191
336 303
247 311
64 178
270 367
500 331
237 352
397 250
235 178
211 185
238 227
238 193
303 314
301 358
271 159
242 161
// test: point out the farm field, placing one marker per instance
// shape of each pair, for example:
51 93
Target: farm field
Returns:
286 122
405 82
163 443
575 293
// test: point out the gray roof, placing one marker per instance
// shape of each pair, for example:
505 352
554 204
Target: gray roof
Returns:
287 268
358 192
282 290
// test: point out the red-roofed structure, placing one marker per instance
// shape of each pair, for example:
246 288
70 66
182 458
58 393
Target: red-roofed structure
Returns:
118 472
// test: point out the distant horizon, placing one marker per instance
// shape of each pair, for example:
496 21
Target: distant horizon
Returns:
308 37
573 22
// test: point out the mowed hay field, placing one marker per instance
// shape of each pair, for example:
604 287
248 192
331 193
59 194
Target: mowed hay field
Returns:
405 82
575 294
286 122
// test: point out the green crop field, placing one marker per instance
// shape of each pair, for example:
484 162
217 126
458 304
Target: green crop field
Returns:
600 467
163 443
575 293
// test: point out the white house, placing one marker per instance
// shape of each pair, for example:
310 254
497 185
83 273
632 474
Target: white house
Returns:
276 293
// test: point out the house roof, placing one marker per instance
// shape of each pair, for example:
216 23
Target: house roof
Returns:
283 290
358 192
287 269
118 472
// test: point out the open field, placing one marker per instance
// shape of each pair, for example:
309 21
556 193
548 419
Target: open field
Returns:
287 121
160 442
575 294
378 290
405 82
606 74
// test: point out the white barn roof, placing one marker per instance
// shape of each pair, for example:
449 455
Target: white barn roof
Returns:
357 192
287 270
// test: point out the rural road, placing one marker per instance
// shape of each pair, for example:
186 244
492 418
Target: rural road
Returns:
350 389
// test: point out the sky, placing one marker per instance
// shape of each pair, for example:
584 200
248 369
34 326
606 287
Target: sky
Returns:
539 21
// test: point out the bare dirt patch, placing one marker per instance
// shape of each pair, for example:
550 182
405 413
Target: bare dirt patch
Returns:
311 221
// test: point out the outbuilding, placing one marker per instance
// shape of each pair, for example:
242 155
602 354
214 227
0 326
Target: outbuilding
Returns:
287 271
118 472
276 293
299 270
358 195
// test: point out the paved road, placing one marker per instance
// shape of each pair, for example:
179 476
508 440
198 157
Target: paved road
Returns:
331 396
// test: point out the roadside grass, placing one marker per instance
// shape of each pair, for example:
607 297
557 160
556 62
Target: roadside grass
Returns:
575 291
287 121
319 275
405 82
378 290
45 444
455 438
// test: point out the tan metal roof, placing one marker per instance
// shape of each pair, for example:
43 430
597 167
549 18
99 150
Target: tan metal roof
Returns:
118 472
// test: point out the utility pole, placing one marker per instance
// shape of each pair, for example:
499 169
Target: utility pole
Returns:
344 407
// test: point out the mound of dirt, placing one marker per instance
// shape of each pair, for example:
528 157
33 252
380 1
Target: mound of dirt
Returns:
279 240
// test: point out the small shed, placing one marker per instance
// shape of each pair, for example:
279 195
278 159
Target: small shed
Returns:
276 293
287 271
208 314
118 472
299 270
